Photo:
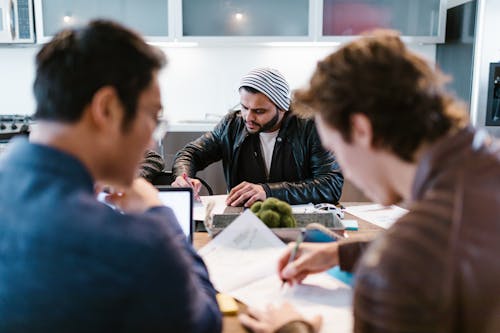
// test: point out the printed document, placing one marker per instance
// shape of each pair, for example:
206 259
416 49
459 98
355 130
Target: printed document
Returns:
383 216
242 262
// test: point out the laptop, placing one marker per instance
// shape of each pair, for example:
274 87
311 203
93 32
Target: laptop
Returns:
180 200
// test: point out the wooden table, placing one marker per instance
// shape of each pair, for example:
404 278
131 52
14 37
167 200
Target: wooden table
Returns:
231 323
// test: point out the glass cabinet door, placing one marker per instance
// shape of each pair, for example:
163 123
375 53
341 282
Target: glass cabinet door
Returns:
413 18
150 18
16 22
3 29
217 18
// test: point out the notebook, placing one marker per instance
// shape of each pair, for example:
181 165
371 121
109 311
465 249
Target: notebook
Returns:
180 200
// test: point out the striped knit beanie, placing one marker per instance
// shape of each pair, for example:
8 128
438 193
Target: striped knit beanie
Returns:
271 83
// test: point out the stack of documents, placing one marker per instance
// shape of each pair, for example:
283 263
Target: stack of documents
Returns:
242 262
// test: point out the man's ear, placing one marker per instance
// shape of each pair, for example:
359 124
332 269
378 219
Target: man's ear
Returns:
361 130
106 109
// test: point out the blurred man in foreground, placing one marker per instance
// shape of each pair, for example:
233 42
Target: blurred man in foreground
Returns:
68 262
398 135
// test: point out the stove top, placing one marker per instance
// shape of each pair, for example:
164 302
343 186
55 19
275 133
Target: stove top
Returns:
13 124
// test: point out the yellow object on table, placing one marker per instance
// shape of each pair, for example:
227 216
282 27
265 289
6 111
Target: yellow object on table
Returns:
227 304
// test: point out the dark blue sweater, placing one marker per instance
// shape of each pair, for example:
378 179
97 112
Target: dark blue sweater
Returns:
69 263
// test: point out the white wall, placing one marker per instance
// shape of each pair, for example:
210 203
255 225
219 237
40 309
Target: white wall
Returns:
17 72
198 80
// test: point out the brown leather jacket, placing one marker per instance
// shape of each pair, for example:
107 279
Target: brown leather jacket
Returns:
438 268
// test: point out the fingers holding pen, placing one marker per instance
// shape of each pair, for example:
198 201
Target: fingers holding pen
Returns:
180 182
310 258
285 257
196 185
287 264
185 181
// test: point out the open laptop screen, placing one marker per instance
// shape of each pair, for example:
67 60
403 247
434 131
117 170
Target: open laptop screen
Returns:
180 200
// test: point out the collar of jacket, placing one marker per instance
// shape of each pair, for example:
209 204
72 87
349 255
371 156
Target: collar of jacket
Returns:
444 153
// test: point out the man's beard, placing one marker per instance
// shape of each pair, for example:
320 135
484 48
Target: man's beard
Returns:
270 124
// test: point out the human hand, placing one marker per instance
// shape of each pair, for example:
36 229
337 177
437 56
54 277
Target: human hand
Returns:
185 181
310 258
137 198
245 194
273 318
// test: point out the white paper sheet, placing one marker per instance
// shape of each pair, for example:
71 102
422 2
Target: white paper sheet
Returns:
200 208
304 208
242 262
383 216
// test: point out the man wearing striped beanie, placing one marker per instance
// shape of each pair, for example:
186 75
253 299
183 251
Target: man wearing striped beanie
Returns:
266 150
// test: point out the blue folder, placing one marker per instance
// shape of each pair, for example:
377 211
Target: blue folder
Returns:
318 236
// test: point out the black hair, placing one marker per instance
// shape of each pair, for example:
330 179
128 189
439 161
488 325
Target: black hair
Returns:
78 62
250 89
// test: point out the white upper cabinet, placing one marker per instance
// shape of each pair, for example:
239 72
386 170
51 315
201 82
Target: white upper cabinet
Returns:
16 22
250 21
148 17
416 20
257 19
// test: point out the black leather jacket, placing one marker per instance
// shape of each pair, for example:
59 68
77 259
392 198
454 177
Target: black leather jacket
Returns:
302 171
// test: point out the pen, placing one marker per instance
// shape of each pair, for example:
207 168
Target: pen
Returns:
186 178
295 249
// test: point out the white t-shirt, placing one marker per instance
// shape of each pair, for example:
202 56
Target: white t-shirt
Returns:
267 141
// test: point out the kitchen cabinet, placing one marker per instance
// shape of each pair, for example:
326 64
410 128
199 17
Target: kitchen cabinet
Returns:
310 20
16 22
417 20
256 18
255 21
150 18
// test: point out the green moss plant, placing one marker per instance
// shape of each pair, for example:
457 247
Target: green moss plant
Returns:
274 213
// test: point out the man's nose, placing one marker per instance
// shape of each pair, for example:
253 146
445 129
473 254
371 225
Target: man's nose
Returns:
249 116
